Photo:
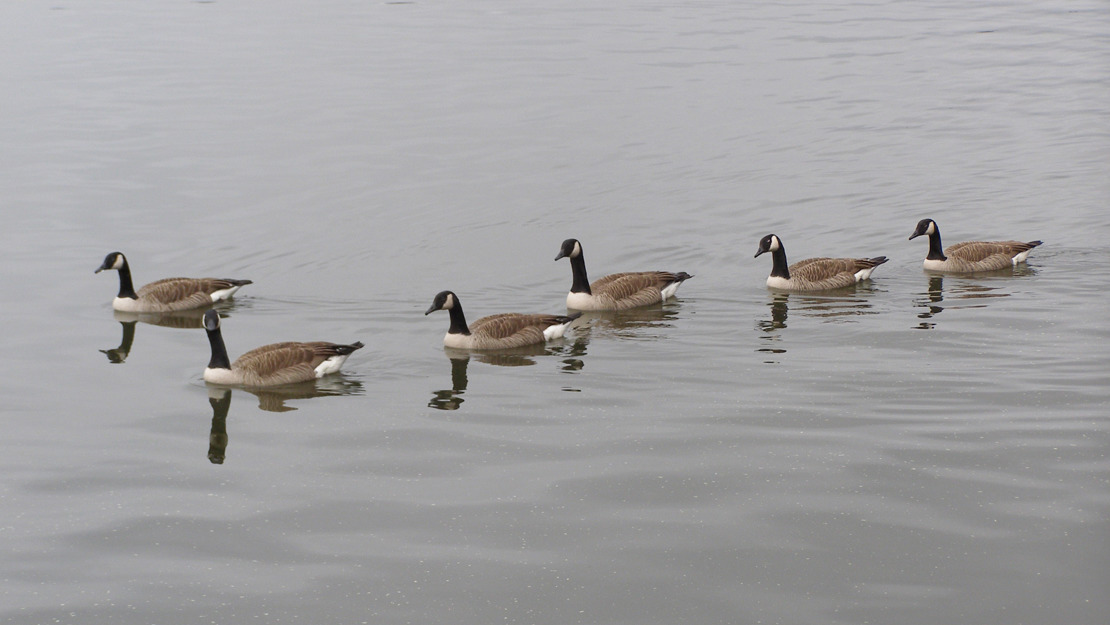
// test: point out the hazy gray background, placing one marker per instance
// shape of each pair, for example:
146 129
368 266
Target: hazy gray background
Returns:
915 451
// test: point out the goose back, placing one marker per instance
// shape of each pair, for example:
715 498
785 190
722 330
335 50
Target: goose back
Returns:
289 362
972 256
174 294
621 291
820 274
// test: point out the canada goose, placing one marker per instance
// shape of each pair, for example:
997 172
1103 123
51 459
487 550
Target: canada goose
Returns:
503 331
970 256
271 365
814 274
618 291
169 294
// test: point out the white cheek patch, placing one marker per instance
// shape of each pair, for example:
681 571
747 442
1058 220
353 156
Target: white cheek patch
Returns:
775 245
577 250
118 263
449 303
932 228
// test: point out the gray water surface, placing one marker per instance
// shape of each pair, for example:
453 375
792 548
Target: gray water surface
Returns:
919 449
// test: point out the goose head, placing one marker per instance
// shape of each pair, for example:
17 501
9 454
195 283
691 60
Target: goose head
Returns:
115 260
570 248
444 300
769 243
925 226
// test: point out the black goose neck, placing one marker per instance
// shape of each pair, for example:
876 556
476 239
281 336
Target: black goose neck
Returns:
581 283
936 251
779 268
219 352
126 289
458 320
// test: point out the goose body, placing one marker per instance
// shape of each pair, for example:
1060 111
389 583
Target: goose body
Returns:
503 331
618 291
271 365
814 274
970 256
167 295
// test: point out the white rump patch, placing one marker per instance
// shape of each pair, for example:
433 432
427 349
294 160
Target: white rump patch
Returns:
669 290
864 274
331 365
223 294
555 331
1020 258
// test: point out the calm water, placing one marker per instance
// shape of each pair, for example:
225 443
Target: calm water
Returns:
918 450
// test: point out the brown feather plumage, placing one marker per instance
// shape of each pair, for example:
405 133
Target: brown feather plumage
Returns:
621 291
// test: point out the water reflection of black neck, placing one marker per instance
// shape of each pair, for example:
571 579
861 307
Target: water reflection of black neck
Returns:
451 399
126 289
936 251
779 268
219 352
581 283
458 320
119 354
217 439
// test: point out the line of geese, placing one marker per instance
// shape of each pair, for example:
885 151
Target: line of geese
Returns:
291 362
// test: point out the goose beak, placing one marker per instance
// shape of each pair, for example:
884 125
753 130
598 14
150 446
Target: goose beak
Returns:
561 255
430 310
99 269
914 236
758 253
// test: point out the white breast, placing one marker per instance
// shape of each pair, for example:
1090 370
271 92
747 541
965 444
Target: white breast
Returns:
458 341
775 282
581 301
126 304
220 376
935 265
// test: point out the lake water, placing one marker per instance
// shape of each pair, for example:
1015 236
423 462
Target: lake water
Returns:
917 450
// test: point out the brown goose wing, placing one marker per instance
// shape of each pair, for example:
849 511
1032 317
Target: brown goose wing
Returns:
508 324
630 290
183 293
825 273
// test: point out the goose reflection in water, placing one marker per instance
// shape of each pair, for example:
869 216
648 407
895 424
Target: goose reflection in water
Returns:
526 356
965 291
840 305
271 399
181 320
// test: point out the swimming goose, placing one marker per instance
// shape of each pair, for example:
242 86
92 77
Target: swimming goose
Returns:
618 291
970 256
814 274
271 365
503 331
169 294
